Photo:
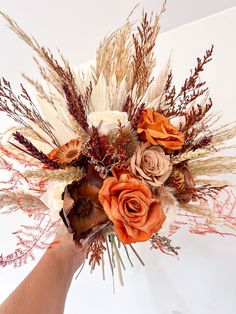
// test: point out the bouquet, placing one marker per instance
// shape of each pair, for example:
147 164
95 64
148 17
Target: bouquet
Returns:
116 155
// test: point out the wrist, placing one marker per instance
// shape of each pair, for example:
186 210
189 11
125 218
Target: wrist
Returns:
62 259
67 256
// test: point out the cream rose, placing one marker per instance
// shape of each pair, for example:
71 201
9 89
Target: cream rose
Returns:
52 197
107 120
151 164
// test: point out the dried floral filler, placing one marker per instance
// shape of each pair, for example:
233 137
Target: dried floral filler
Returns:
122 156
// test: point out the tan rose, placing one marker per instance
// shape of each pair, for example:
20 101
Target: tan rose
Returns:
151 164
129 204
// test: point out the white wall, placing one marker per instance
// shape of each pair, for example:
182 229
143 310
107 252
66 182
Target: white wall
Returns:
76 26
202 280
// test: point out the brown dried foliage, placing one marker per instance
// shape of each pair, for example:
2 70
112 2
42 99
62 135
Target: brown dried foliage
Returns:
96 144
21 108
176 104
124 140
163 244
96 249
192 118
34 152
143 59
133 111
113 150
61 77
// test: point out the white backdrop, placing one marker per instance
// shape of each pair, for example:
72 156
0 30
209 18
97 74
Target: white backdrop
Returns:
202 280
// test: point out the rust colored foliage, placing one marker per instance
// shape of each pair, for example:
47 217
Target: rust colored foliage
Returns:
96 249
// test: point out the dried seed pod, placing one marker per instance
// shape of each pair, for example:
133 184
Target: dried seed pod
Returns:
83 214
176 180
182 181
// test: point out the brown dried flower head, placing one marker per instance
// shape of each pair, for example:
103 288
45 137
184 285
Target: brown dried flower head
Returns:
84 214
67 153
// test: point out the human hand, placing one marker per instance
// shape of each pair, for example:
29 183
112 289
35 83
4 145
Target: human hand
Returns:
66 251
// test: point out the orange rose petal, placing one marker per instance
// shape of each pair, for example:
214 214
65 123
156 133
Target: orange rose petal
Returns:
151 139
105 190
157 134
114 209
157 129
148 117
123 235
154 216
137 186
134 193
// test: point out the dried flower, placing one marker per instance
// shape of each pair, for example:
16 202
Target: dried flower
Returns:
151 164
107 120
86 213
67 153
129 204
182 181
157 129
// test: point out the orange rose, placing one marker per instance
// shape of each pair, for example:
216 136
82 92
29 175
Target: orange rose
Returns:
158 130
129 204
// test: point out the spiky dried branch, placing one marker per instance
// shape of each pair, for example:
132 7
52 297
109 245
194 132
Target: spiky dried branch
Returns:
22 110
163 244
34 152
176 104
143 58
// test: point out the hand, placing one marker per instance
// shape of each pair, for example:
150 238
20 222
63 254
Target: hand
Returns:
66 251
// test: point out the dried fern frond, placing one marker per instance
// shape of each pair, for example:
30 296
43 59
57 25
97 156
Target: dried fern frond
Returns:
13 201
20 156
213 217
30 238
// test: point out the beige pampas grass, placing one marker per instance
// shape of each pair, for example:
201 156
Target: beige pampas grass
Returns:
198 153
61 175
213 166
